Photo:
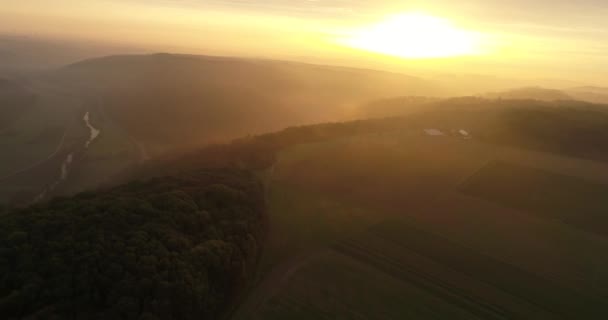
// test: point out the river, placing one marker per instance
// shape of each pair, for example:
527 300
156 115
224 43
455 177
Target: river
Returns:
94 131
66 165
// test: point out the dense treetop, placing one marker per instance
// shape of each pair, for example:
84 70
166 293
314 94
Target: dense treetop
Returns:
169 248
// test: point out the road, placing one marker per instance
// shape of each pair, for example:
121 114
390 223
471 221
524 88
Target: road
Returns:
272 283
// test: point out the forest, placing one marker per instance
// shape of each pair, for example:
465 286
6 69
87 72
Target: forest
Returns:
179 247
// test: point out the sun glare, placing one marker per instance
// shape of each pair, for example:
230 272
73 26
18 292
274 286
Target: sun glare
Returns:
415 36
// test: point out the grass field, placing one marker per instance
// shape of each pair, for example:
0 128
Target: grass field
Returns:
550 248
579 202
388 172
402 241
388 253
520 283
304 222
339 287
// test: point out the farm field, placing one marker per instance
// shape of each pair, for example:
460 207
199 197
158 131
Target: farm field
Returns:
352 289
550 248
390 172
306 222
576 201
316 200
424 246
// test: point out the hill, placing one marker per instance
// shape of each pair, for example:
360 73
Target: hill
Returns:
593 89
170 100
590 94
14 101
392 107
534 93
570 128
143 106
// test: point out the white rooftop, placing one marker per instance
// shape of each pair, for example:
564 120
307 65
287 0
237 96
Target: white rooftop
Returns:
434 132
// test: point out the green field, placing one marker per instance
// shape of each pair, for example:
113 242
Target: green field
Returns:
305 222
376 227
579 202
338 286
506 277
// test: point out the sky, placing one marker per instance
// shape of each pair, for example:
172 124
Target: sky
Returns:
540 38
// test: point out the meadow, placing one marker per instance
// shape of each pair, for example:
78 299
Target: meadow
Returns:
382 226
576 201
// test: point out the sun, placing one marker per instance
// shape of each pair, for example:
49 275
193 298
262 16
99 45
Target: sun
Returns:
415 36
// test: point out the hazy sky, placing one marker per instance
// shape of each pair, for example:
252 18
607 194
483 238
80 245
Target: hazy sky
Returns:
533 38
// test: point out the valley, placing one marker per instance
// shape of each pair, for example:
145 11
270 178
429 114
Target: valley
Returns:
420 206
290 159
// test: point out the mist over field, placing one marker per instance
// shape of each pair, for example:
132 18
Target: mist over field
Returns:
303 160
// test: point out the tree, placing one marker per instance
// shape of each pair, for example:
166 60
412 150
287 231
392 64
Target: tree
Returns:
166 248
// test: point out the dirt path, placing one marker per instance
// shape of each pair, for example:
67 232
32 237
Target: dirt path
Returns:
274 281
278 278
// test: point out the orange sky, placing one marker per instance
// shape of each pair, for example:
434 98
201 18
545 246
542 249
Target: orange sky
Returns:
531 39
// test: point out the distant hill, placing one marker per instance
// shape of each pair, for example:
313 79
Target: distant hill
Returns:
14 100
569 128
534 93
590 94
172 100
395 106
599 90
